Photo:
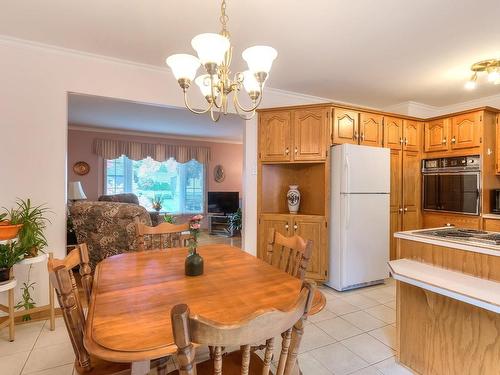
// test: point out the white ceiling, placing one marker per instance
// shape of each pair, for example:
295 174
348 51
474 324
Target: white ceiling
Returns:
374 53
98 112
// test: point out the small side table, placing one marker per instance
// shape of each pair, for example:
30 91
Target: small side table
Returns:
8 287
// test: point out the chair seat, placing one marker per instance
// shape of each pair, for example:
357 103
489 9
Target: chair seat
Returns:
231 365
102 367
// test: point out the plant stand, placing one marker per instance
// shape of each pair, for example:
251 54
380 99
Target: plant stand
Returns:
219 225
10 309
8 287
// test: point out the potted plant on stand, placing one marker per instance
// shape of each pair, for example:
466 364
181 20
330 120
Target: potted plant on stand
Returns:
10 254
9 226
234 220
34 221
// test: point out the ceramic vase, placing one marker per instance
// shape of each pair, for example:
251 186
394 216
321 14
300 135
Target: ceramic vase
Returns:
193 266
293 199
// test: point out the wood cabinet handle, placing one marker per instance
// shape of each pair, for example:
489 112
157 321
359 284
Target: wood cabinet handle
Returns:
287 151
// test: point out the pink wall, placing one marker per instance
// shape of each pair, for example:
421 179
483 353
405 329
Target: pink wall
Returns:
229 155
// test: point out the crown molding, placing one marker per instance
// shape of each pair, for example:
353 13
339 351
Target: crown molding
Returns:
94 129
490 101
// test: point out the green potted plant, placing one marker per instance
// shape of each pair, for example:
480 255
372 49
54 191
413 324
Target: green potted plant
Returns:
234 222
10 254
157 201
34 221
168 218
9 225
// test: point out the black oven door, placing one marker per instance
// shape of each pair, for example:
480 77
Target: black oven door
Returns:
452 192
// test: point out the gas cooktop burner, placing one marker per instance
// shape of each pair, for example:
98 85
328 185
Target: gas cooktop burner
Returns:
471 235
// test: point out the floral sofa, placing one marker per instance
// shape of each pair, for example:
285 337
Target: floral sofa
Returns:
108 228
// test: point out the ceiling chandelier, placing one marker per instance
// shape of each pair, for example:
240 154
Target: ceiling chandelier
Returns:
490 67
215 54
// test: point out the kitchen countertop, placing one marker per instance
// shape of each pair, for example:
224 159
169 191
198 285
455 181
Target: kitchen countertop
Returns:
416 235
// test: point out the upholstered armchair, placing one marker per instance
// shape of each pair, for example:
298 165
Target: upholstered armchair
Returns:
108 228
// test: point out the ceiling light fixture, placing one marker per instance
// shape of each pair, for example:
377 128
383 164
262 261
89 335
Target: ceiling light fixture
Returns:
491 67
215 54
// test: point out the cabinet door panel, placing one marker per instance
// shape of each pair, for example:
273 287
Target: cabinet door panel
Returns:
436 135
411 190
412 131
395 199
345 126
393 132
314 229
310 127
465 130
281 223
370 129
275 136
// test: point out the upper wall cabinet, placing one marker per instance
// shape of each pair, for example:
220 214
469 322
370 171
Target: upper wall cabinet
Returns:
345 126
310 128
393 133
412 131
370 129
295 135
275 140
465 130
436 135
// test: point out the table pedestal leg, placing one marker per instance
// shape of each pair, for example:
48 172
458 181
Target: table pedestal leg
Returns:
140 368
11 315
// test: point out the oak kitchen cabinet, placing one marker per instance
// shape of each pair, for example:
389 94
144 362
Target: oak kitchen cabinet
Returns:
363 128
454 133
405 177
294 135
310 227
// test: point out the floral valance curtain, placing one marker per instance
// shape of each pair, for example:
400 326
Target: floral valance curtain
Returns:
112 149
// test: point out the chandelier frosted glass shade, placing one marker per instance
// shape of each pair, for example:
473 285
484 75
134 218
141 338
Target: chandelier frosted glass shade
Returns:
259 58
183 66
204 84
494 76
210 47
250 83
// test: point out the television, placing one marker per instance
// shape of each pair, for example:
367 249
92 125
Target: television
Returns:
223 202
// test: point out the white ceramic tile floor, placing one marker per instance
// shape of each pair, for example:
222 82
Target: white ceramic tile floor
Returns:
355 334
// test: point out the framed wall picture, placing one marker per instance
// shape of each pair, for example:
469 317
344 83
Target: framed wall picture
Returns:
81 168
219 174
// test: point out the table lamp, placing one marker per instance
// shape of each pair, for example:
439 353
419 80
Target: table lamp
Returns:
75 191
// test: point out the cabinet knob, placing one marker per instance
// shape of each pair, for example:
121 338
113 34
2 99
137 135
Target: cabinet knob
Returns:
400 209
362 137
296 150
445 141
286 226
453 140
401 141
295 227
287 151
405 209
406 141
355 136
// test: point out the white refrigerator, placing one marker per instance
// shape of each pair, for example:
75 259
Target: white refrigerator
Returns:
359 230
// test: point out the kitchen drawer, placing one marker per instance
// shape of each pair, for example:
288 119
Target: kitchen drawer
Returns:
492 225
435 219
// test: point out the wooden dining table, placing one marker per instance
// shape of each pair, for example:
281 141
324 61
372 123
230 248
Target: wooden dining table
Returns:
129 313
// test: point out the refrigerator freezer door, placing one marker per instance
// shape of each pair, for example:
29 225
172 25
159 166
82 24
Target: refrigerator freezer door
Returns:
365 169
364 238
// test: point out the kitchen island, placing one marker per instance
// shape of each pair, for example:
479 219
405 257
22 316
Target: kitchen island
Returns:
448 301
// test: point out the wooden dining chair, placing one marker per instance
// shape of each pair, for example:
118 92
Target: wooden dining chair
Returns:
263 326
63 281
164 235
290 254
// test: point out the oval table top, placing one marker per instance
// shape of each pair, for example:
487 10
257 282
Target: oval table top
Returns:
133 293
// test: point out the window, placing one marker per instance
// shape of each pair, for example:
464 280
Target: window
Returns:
180 186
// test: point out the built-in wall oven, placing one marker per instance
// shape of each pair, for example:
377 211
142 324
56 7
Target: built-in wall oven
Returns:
452 184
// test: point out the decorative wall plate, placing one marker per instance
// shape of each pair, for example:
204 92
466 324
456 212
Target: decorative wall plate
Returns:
219 174
81 168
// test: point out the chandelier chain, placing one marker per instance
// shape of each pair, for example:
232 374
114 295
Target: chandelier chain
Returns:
224 18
